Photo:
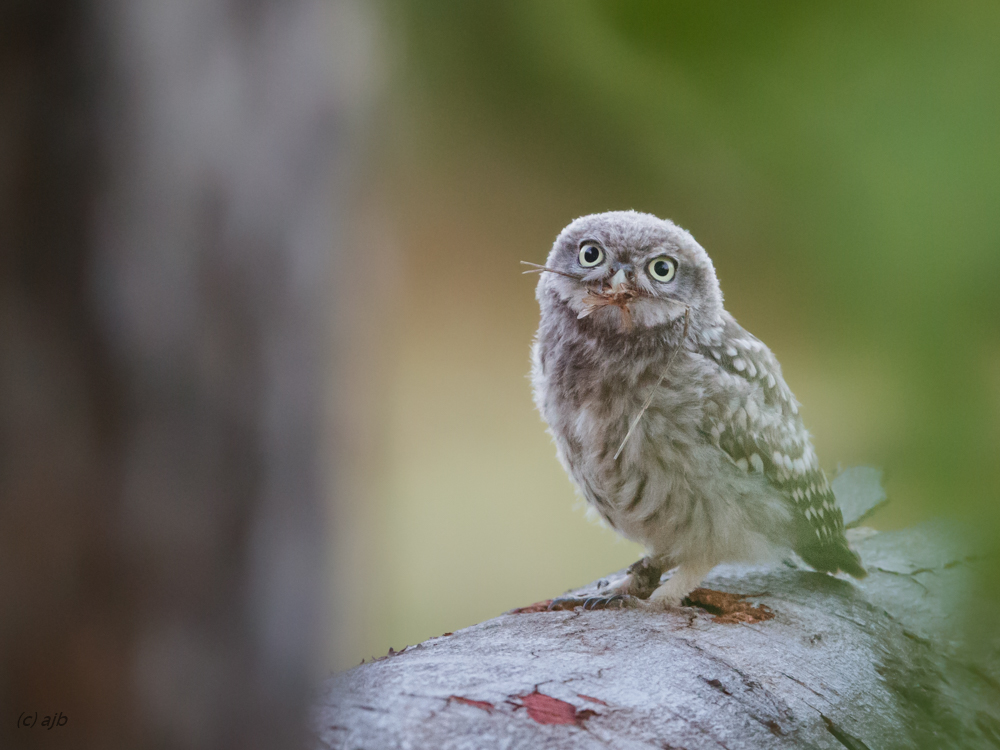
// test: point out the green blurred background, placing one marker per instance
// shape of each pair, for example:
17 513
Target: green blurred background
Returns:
839 161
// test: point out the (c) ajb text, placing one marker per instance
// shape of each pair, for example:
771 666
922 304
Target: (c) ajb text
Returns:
31 720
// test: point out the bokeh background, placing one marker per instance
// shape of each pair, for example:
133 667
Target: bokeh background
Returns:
264 336
839 161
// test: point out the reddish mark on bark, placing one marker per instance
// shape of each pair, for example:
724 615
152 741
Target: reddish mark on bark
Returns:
591 699
484 705
729 608
548 710
536 607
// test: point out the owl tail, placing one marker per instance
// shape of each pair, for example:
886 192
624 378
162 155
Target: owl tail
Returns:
833 556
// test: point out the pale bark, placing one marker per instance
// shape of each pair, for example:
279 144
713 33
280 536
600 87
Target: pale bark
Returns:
879 663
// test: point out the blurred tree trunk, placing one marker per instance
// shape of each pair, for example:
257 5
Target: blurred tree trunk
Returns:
168 176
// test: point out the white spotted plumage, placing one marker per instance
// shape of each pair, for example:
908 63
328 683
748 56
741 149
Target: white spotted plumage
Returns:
765 434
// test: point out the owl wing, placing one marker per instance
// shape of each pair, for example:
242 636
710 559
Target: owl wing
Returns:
754 419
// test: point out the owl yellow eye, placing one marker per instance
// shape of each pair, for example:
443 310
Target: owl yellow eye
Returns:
590 255
662 268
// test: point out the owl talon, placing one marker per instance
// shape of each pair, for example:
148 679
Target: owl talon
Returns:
618 601
592 603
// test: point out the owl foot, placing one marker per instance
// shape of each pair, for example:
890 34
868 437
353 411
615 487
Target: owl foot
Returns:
617 601
684 580
642 579
644 576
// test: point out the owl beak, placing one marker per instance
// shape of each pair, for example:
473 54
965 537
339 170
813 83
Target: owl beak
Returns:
618 281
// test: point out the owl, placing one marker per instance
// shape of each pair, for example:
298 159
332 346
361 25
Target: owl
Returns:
674 423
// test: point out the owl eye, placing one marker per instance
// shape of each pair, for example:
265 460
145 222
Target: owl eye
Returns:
662 268
590 255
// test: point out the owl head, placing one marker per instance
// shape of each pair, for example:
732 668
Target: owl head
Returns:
629 271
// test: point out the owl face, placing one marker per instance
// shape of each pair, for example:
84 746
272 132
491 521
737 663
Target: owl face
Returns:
630 271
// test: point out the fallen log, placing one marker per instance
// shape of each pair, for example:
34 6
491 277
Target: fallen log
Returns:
762 657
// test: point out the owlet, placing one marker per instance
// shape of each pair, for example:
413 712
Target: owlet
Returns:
674 422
